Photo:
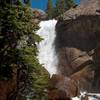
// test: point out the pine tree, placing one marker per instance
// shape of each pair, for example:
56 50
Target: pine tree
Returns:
63 5
18 47
60 7
69 4
27 2
49 9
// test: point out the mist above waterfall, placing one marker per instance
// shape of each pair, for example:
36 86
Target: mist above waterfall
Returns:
47 55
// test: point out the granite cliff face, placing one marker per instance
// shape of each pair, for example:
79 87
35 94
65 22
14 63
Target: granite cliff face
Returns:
38 15
78 45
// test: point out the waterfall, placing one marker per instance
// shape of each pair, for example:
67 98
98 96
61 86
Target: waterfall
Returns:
47 55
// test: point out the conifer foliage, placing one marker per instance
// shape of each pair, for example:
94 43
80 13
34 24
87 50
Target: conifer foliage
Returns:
49 9
18 47
59 8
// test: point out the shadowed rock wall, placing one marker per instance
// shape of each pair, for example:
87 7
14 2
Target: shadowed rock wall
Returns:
78 45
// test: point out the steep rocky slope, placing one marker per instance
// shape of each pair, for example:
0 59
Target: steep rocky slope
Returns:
78 45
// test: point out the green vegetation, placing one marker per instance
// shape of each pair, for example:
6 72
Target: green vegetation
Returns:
27 2
50 9
60 7
18 46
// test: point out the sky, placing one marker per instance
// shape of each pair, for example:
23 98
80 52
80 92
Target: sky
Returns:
41 4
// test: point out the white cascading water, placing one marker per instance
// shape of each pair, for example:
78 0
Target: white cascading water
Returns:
47 55
92 96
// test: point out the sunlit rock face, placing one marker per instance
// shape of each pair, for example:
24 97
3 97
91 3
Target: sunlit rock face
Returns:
72 58
88 2
39 14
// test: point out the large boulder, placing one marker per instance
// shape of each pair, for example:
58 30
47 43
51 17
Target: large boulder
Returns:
62 88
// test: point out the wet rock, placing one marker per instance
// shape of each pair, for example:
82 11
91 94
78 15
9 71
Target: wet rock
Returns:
62 88
84 98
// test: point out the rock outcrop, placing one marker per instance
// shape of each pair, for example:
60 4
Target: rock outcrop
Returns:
38 15
63 88
60 89
78 45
